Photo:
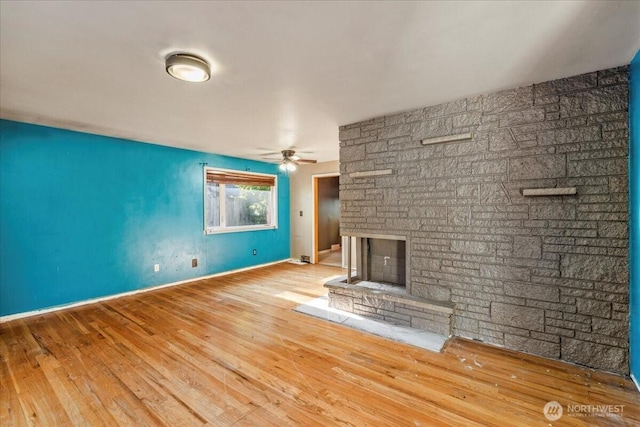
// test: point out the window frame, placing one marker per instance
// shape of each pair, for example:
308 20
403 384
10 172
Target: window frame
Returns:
223 228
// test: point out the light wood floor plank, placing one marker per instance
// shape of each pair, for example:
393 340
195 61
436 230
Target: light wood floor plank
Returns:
230 351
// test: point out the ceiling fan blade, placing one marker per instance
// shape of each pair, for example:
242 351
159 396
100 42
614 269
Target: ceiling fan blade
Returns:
306 161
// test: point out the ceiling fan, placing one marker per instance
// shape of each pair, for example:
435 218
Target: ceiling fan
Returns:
289 161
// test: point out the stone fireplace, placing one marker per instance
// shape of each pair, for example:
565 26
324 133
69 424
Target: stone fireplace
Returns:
513 211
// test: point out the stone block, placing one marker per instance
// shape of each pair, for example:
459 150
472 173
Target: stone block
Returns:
610 328
466 324
471 247
598 167
394 119
377 302
467 119
438 168
502 140
348 134
613 76
538 167
527 247
446 109
365 129
489 167
433 292
617 230
341 302
566 85
414 115
595 267
432 128
531 345
517 316
618 184
593 308
428 212
352 194
430 326
515 118
352 153
536 292
458 215
599 356
568 136
376 147
394 131
421 263
491 193
506 100
596 101
555 211
468 190
503 272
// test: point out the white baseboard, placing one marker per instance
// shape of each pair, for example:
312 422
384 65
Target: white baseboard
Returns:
124 294
635 381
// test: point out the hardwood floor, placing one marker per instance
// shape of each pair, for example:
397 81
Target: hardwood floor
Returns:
230 351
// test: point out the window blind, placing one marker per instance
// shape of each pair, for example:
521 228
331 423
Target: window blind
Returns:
239 178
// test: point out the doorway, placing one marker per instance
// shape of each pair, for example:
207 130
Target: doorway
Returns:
327 243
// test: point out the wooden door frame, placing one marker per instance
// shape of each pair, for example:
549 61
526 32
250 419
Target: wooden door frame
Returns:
314 233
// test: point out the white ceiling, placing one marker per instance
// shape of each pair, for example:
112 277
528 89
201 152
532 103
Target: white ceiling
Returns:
286 73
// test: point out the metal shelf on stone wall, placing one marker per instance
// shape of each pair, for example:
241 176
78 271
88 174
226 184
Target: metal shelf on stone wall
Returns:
449 138
537 192
369 174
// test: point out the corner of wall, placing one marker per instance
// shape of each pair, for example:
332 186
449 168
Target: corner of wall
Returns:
634 217
302 201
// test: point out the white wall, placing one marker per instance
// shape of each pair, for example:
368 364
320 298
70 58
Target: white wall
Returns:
301 188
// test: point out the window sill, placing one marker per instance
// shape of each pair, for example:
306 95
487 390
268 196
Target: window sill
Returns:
239 229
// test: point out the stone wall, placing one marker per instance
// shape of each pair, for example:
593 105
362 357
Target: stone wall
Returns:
545 275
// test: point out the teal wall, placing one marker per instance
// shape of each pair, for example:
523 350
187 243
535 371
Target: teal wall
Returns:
84 216
634 218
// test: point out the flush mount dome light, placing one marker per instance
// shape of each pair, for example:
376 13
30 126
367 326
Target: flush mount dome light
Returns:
188 68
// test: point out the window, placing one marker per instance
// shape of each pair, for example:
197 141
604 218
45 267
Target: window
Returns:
238 201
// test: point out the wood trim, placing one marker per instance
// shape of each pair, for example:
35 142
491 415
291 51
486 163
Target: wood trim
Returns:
25 314
314 258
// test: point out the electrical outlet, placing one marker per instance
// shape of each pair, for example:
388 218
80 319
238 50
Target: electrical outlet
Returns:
255 252
156 267
300 213
194 262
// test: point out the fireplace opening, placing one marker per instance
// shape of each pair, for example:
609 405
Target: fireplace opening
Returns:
386 261
380 263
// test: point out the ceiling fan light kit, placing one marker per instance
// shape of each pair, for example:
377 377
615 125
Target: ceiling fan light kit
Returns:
288 165
289 161
188 68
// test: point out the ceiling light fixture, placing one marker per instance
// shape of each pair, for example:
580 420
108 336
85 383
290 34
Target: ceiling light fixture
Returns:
188 68
287 165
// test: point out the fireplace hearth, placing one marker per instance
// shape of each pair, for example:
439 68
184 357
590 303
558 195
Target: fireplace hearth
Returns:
379 288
